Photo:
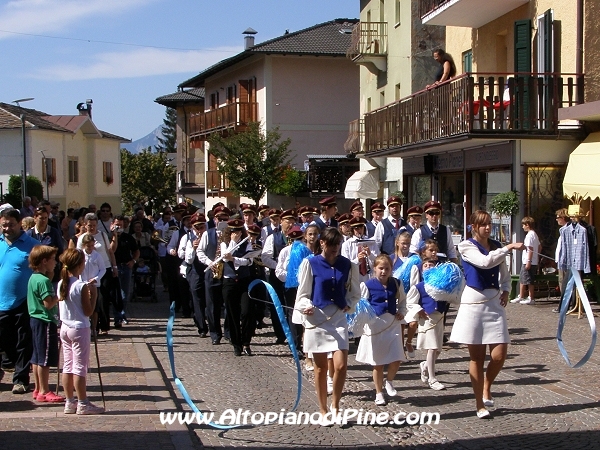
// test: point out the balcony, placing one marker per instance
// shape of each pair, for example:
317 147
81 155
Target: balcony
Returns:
234 116
465 13
507 106
355 133
216 184
369 46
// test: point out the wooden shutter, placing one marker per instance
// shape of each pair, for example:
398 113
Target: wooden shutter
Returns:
522 64
548 42
244 98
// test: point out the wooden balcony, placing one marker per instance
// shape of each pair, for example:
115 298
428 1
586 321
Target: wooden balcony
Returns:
465 13
216 184
355 133
234 116
508 106
369 45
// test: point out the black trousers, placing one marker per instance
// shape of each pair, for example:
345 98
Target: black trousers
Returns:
296 329
110 294
172 264
242 323
15 340
214 303
196 283
280 291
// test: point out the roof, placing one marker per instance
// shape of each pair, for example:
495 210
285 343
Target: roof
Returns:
325 39
182 96
327 156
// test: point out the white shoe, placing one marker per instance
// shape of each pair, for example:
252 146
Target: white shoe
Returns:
329 385
410 354
516 300
326 420
488 402
436 385
483 413
527 301
380 400
390 389
309 368
424 376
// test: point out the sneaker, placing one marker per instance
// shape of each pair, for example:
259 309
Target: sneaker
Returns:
390 389
87 409
19 388
49 397
410 353
71 407
379 399
527 301
516 300
424 376
436 385
556 310
329 385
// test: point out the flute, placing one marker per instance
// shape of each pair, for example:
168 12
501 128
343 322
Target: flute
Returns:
217 261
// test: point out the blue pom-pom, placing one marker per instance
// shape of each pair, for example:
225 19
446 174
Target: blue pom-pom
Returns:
446 278
298 252
403 272
364 314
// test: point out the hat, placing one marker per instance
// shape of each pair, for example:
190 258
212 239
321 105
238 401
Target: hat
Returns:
222 210
357 222
288 214
274 212
394 200
329 201
344 218
254 229
180 207
432 205
295 232
263 208
377 207
248 208
414 211
216 205
198 218
236 224
356 205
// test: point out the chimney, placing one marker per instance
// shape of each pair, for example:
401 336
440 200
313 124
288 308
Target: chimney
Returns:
85 109
249 38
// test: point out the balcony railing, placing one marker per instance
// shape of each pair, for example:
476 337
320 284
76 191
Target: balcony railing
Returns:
216 182
234 115
487 105
355 133
368 38
427 6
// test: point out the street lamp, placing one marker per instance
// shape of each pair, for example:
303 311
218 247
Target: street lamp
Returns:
45 162
24 142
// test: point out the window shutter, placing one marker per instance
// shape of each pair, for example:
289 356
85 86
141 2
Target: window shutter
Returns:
522 64
548 42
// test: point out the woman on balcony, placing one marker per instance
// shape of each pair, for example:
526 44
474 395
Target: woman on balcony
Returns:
447 68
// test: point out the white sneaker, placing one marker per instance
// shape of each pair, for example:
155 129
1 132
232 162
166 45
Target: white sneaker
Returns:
424 376
527 301
436 385
390 389
379 399
516 300
329 385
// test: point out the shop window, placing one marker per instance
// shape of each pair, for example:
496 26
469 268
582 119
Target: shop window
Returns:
419 190
451 197
486 185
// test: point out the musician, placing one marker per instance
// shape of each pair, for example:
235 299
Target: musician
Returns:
195 271
208 250
387 230
263 215
165 231
344 225
432 229
376 214
273 225
306 216
328 210
257 272
414 216
356 209
360 253
179 290
212 222
272 247
236 278
249 213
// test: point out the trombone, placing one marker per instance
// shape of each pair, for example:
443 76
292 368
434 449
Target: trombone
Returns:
156 237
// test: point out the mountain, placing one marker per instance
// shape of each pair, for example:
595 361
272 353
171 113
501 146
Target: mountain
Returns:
150 140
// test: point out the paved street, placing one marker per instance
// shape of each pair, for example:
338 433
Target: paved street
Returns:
540 402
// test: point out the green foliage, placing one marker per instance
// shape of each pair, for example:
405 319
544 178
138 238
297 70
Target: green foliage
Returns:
293 182
505 203
254 162
146 179
168 141
14 195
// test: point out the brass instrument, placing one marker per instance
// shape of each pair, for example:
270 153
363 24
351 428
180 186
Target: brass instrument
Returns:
257 259
217 267
156 237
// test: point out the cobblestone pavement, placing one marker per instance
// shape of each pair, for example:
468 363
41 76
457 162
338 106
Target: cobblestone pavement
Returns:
540 401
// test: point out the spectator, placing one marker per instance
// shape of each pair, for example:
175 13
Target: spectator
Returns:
47 235
105 219
530 263
27 210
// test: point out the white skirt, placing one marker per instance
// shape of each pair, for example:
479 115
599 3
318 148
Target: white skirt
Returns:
326 330
431 332
381 341
481 318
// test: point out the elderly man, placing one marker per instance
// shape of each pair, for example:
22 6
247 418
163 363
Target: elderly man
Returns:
27 210
15 333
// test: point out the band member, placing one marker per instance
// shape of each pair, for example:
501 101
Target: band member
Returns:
377 215
344 226
436 231
414 216
257 272
306 216
328 210
359 253
356 209
181 286
273 225
263 215
249 213
387 230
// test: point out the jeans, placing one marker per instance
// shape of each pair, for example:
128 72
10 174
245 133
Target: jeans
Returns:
125 281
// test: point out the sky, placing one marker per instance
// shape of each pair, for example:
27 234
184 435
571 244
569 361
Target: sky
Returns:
123 54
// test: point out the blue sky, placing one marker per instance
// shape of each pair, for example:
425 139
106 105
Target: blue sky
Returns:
62 52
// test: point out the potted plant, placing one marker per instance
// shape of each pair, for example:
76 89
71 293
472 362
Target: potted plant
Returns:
505 204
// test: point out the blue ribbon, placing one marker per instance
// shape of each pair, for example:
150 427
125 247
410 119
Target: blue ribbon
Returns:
575 280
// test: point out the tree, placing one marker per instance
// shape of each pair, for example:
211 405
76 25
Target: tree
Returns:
505 204
14 195
146 178
293 182
254 162
168 142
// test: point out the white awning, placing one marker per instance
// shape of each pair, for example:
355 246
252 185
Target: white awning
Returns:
363 184
581 176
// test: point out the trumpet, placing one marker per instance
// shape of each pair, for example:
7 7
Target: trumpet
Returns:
156 237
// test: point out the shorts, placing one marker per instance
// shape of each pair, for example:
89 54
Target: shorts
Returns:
527 276
45 343
76 350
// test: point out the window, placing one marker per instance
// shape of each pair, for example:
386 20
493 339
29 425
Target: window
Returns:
467 61
397 92
73 169
369 104
397 12
382 99
49 171
107 172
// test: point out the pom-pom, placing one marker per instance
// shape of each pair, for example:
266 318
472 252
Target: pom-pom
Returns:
363 314
403 272
444 282
298 252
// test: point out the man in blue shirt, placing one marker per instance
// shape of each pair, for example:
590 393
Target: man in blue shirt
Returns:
15 333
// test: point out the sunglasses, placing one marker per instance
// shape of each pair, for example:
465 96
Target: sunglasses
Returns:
222 218
198 226
433 213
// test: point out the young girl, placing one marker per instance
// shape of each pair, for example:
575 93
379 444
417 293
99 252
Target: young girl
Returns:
41 302
93 270
380 343
402 246
76 306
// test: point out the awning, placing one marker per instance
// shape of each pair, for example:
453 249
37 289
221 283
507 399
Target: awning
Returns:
363 184
582 175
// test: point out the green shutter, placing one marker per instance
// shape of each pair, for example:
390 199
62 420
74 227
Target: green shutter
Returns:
548 57
522 64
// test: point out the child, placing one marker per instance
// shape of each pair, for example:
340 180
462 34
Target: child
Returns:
380 343
76 306
427 301
142 268
41 302
94 269
402 246
530 263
